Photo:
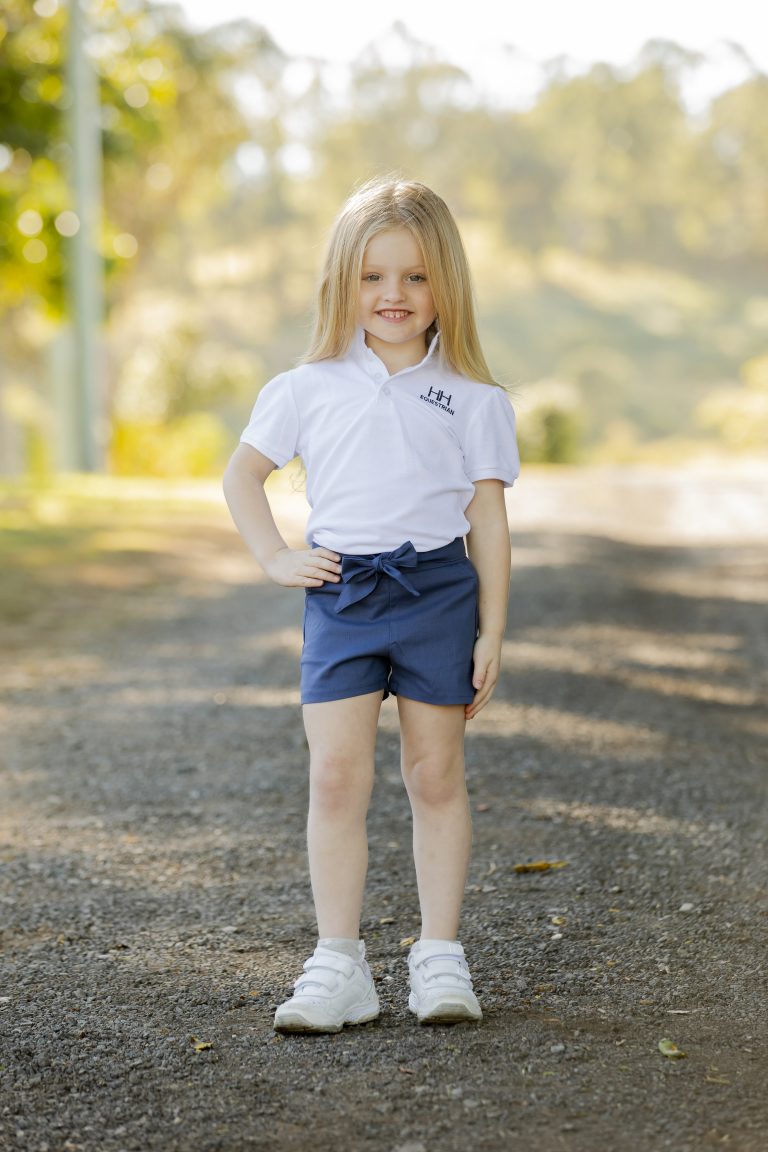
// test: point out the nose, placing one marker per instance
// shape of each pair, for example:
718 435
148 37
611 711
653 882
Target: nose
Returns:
393 291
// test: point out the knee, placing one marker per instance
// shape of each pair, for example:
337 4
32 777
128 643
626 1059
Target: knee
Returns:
335 783
432 783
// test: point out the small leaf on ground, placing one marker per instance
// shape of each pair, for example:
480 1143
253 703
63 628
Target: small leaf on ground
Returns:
669 1049
539 865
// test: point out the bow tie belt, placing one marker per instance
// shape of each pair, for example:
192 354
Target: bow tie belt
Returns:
361 574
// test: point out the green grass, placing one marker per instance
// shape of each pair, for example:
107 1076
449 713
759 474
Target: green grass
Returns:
88 540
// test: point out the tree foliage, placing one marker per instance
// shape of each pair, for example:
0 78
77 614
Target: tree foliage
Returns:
619 243
168 123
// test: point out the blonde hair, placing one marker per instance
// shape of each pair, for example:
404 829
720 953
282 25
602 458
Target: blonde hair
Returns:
377 206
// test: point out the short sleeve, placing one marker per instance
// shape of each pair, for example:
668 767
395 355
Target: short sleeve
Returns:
490 447
274 425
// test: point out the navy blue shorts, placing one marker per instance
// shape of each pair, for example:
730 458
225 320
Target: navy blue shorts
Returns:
402 622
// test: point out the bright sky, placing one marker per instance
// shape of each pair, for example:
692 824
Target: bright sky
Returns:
478 34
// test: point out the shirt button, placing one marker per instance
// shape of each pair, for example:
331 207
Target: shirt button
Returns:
386 389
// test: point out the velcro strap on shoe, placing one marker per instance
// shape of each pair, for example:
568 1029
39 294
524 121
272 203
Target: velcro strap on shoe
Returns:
321 969
436 966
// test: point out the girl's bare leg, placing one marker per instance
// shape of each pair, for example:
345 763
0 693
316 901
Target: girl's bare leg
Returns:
432 741
342 742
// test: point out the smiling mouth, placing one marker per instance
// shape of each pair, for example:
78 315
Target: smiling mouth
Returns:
393 314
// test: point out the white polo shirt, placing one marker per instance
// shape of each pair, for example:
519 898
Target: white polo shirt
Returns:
388 458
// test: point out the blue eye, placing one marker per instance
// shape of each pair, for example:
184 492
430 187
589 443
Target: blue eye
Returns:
416 278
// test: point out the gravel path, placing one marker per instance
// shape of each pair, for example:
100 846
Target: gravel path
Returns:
153 897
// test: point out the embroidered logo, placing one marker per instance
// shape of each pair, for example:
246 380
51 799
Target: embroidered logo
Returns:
439 399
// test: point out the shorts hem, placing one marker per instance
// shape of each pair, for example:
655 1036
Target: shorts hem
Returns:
328 697
422 699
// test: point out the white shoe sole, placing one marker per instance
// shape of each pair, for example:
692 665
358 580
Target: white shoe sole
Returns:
294 1020
445 1011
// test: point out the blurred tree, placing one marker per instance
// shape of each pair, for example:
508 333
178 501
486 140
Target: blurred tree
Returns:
739 415
33 189
409 112
618 149
734 190
170 125
169 120
550 423
171 399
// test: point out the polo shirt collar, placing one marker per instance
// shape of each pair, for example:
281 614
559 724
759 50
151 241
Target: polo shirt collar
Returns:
370 362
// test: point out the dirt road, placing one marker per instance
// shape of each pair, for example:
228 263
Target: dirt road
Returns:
153 896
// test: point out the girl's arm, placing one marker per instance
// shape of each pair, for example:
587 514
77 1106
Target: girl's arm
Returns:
489 550
244 492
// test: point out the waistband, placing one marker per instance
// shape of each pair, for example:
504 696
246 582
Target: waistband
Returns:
360 575
453 551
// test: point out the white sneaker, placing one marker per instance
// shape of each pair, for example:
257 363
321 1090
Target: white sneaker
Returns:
335 990
441 986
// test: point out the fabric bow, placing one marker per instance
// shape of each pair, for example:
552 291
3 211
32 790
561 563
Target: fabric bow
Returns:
361 574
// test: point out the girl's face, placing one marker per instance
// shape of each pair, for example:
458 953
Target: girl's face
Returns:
395 306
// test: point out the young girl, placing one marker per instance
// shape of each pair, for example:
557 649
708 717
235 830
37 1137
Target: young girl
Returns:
408 445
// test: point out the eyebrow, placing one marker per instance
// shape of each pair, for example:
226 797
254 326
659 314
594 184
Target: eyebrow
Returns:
407 268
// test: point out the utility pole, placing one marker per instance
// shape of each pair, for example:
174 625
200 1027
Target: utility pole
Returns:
86 276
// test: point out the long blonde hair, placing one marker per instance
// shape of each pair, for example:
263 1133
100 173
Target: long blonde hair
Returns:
378 205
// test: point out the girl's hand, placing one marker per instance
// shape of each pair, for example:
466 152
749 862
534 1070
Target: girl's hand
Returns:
486 660
308 568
